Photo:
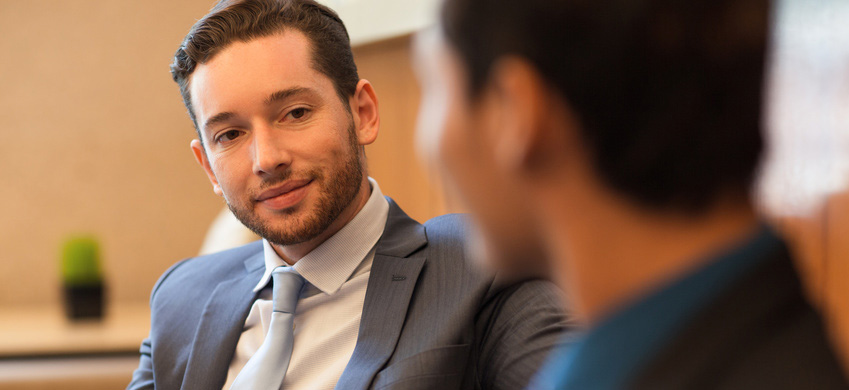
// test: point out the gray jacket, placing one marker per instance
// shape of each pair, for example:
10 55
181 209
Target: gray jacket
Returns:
430 319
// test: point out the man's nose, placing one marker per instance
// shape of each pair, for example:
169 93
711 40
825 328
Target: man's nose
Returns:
270 154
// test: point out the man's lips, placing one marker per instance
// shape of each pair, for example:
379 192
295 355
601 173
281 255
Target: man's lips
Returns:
288 187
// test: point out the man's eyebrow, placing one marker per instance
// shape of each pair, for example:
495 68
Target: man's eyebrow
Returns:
285 93
274 97
218 118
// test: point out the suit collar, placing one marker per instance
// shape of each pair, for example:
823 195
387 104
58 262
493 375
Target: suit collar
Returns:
610 354
402 235
394 273
255 262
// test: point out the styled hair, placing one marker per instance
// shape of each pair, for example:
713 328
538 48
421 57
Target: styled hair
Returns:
243 20
667 92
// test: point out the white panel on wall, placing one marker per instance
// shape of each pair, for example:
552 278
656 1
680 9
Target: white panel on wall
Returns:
807 114
372 20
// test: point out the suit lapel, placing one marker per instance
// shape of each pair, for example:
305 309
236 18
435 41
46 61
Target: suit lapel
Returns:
220 328
394 273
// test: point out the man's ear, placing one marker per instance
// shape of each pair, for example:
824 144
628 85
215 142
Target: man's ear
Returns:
203 161
365 112
522 104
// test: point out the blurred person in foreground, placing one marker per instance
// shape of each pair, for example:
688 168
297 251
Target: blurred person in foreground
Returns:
612 145
370 298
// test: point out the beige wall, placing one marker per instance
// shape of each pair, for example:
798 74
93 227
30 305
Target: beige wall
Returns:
95 139
392 159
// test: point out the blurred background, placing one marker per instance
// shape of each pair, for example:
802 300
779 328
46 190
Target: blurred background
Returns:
95 141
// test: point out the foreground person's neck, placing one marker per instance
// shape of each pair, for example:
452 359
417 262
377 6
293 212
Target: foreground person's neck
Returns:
606 257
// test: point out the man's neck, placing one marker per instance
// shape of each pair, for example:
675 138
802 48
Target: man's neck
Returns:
606 252
292 253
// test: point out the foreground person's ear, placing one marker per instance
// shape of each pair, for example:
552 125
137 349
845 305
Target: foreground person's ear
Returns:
535 126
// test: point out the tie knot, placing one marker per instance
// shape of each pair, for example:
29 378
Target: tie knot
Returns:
287 289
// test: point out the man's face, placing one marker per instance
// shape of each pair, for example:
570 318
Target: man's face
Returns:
458 136
278 143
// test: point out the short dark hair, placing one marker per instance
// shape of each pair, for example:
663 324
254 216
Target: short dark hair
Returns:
243 20
667 92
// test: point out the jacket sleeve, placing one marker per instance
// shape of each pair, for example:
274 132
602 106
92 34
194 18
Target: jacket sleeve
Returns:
143 375
518 327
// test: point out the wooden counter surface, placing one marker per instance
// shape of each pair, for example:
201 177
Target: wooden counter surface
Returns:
44 331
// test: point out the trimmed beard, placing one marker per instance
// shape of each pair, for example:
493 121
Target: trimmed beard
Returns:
336 193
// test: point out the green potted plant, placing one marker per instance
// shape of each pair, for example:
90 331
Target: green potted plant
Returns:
82 278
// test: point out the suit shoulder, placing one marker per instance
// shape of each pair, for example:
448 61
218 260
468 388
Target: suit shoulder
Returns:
447 233
452 228
222 261
213 266
447 256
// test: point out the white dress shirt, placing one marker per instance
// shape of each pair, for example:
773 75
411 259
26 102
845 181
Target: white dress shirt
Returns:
329 310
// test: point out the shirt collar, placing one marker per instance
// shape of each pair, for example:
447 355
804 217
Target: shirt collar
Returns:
611 353
331 264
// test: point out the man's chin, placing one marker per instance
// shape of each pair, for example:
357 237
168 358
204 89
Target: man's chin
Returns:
285 227
289 236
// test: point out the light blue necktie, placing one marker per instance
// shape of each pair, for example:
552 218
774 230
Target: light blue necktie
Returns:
267 367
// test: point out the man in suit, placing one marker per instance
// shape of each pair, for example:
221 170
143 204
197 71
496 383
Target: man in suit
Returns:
386 302
622 138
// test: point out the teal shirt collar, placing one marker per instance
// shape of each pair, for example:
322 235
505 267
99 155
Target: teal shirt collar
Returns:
612 353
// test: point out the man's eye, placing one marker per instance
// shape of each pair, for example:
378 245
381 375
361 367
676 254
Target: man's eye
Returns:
228 135
298 113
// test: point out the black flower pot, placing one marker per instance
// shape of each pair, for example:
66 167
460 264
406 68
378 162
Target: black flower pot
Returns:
84 302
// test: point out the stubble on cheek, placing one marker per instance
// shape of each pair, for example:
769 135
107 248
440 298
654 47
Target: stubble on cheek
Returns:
336 189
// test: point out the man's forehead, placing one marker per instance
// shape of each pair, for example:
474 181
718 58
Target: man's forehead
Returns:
252 70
